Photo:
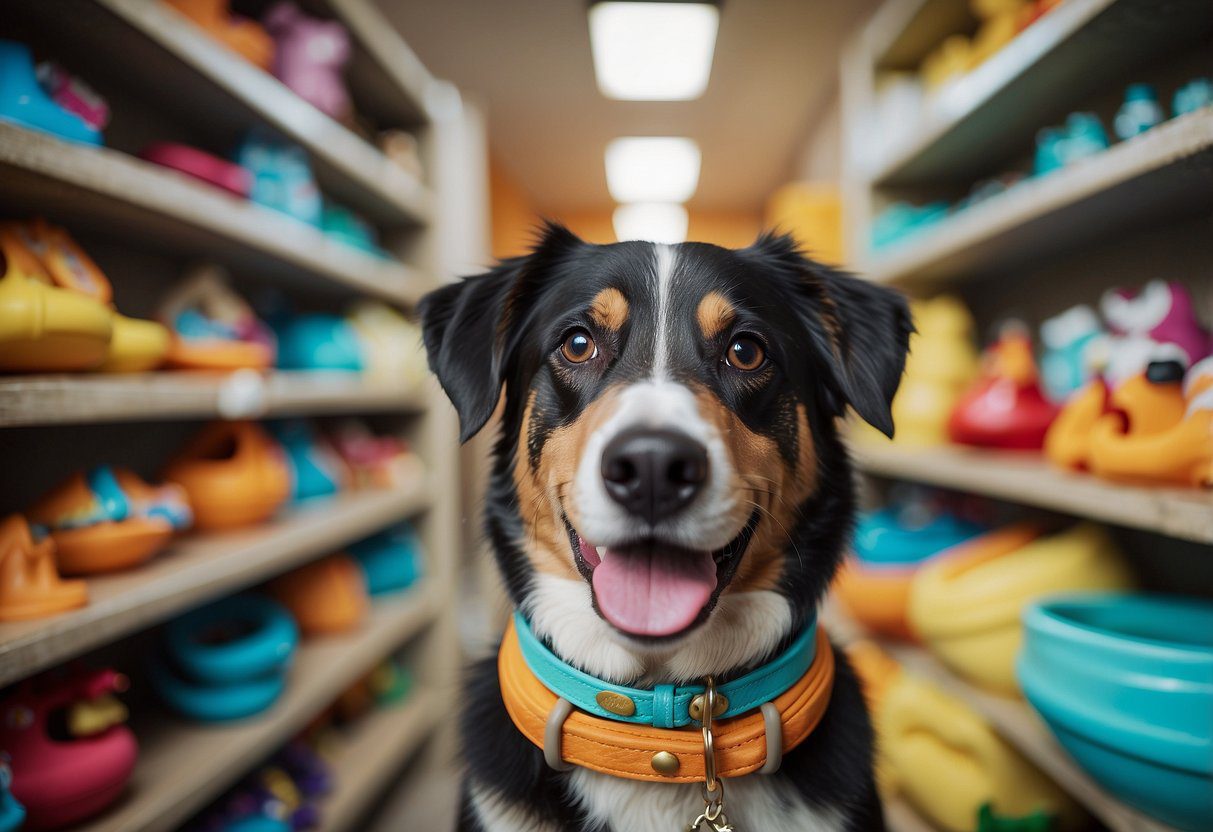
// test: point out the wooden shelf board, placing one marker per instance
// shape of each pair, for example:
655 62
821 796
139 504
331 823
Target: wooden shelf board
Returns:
371 753
90 399
184 765
1014 721
1161 174
993 112
197 569
1027 478
161 209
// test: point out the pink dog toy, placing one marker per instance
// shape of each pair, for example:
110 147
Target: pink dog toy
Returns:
200 165
310 56
1161 313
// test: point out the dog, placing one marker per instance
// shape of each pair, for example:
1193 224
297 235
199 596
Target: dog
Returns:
669 498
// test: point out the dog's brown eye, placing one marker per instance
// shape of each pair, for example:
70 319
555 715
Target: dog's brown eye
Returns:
578 347
744 354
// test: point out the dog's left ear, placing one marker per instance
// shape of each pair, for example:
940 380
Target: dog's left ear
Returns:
468 327
860 331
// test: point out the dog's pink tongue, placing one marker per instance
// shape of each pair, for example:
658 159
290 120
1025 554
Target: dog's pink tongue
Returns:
648 596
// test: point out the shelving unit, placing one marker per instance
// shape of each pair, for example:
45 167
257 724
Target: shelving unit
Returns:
183 766
1165 172
168 81
1032 251
199 568
89 399
1014 721
1185 513
370 754
160 208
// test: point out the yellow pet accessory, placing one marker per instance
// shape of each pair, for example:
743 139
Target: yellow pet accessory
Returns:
947 761
966 605
44 328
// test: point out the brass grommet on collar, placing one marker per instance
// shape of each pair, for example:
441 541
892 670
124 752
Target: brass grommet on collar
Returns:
695 709
617 703
664 762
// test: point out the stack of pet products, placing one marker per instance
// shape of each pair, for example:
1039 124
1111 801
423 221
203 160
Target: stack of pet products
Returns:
1082 136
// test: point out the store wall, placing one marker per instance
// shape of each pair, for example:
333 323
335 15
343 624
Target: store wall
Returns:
515 217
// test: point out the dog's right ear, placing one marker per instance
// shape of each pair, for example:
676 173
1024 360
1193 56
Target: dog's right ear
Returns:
467 327
460 325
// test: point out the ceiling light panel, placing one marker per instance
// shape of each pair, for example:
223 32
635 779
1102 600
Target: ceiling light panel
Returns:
652 169
656 222
653 51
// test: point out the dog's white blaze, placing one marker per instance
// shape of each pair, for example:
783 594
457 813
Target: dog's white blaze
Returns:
744 628
706 523
496 815
663 271
751 802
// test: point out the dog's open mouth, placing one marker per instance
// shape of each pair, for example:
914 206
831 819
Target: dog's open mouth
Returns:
651 589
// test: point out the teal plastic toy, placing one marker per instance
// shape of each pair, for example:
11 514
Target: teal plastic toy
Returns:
898 538
1192 96
1139 112
391 559
319 342
12 813
227 660
315 468
25 103
342 224
1126 684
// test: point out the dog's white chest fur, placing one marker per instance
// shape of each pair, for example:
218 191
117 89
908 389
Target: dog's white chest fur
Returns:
753 804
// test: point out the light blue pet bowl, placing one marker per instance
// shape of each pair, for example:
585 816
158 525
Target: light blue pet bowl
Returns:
1126 684
886 538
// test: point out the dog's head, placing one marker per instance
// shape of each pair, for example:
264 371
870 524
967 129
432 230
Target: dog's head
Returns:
668 435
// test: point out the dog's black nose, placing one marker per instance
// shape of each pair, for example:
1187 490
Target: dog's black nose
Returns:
654 473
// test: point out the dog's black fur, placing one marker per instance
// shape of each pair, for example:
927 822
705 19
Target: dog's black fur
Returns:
832 341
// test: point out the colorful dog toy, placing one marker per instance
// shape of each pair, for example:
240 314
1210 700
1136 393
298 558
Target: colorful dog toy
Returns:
391 560
234 473
109 519
319 342
1125 682
239 34
1161 313
328 596
1071 339
73 95
71 753
316 469
200 165
24 102
1139 112
44 327
213 328
1160 428
227 660
30 586
282 177
310 56
391 344
966 606
1005 408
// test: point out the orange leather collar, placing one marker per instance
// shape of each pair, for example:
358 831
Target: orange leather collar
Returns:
627 750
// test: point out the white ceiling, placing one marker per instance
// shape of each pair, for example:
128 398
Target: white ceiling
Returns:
528 64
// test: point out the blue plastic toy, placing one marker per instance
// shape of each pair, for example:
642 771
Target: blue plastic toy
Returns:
391 559
901 219
1085 136
1048 150
1139 112
25 103
12 813
313 472
258 823
896 536
1192 96
342 224
319 342
282 177
1126 684
227 660
1068 338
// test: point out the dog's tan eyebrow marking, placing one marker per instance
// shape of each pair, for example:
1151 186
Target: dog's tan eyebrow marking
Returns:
609 309
715 312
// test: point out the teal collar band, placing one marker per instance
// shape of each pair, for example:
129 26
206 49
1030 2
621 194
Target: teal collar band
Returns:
665 706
